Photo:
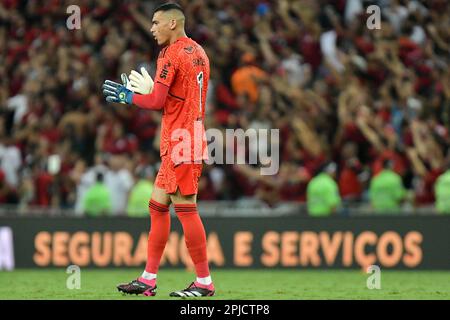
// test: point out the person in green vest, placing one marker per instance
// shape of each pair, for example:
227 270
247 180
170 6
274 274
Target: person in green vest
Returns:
140 194
442 191
322 193
386 190
97 199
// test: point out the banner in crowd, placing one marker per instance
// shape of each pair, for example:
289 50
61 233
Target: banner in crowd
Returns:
401 242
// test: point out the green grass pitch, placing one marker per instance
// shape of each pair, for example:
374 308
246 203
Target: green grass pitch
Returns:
101 284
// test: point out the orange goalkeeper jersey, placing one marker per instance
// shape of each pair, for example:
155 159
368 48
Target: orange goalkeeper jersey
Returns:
183 66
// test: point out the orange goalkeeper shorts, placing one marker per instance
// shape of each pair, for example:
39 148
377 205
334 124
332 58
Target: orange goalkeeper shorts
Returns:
184 176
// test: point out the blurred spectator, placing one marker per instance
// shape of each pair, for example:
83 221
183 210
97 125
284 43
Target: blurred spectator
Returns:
84 178
6 191
350 180
442 190
11 161
322 192
141 193
337 91
119 181
97 200
26 191
386 190
246 78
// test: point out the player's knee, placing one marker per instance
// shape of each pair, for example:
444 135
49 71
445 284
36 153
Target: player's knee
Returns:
179 198
160 196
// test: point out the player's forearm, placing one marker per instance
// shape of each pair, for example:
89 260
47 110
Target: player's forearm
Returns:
417 164
154 100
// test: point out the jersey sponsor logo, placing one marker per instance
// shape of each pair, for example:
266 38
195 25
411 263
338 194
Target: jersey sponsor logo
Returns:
164 71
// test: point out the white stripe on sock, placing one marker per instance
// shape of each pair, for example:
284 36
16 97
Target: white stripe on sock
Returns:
148 276
205 281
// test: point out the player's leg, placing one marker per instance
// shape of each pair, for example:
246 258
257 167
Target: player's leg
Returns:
158 235
157 239
194 233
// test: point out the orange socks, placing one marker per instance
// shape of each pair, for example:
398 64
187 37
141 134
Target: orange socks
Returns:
158 236
194 233
195 236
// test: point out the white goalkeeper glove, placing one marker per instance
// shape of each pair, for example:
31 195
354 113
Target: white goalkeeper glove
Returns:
126 83
139 82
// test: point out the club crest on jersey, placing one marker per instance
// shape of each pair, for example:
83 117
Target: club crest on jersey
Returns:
189 49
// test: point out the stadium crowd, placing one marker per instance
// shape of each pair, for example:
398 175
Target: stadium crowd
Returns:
338 90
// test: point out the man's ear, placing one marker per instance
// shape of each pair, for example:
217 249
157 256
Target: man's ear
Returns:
173 24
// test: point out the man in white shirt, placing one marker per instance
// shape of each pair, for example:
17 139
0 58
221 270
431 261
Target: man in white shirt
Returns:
10 161
119 181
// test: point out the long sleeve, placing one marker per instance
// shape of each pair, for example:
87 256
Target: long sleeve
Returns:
154 100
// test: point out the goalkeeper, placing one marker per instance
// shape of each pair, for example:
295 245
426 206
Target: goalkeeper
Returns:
179 90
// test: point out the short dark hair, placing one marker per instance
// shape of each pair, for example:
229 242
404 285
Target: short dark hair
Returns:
99 177
388 163
169 6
